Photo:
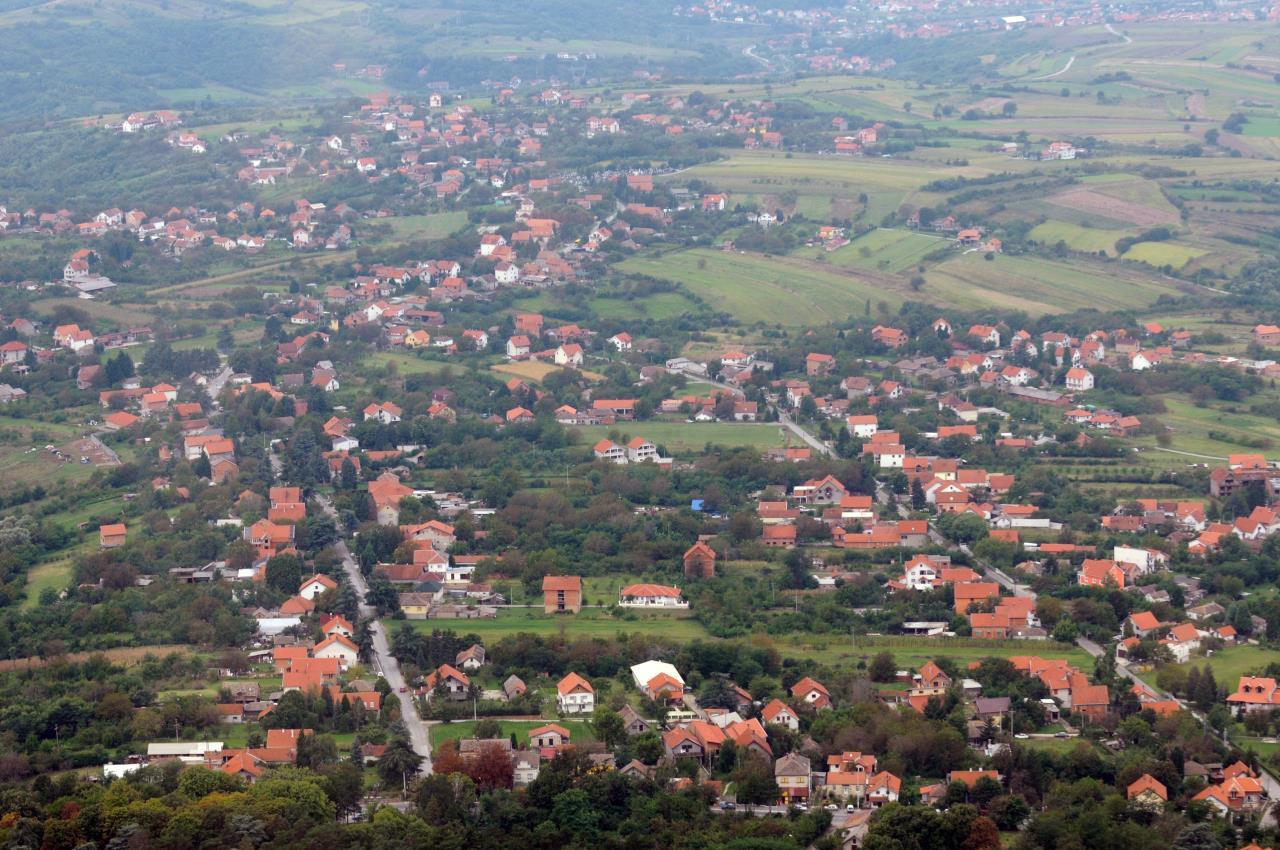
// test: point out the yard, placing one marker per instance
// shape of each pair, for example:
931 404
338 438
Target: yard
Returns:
579 730
692 437
1231 663
587 624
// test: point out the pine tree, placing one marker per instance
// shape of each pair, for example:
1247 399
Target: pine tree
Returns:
1193 683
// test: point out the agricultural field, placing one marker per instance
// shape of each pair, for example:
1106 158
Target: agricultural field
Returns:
692 437
1162 254
405 363
588 623
410 228
883 250
1232 662
25 460
528 370
1040 286
755 288
1216 430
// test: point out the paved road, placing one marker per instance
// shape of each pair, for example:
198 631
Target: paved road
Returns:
217 382
386 662
813 442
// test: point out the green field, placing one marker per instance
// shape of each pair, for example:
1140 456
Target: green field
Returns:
756 288
1087 239
412 228
691 437
407 364
579 730
882 249
1161 254
55 575
588 623
1039 285
1189 426
1231 663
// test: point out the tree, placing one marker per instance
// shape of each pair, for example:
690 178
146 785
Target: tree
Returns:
1198 836
609 726
399 761
918 499
492 767
1009 109
344 784
983 834
755 784
883 667
284 573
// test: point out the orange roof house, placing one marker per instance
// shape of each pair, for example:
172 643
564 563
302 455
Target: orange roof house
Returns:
111 536
561 594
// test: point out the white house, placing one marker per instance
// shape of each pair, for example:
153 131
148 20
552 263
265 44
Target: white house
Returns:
610 451
569 354
316 585
646 671
518 346
651 596
620 341
339 647
640 450
863 427
1079 379
574 695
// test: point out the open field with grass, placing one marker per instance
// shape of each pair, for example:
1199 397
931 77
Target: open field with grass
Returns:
1078 238
691 437
911 652
1190 427
528 370
411 228
407 364
1161 254
24 459
1231 663
756 288
125 315
883 249
54 575
588 623
1039 286
579 730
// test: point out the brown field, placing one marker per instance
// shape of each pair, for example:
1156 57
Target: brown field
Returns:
529 370
1089 201
126 655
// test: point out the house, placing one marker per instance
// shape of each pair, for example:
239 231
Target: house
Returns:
651 596
632 722
1079 379
610 451
569 354
1142 623
339 647
699 561
551 736
818 365
561 594
111 536
574 695
1266 335
1240 794
316 585
471 658
863 427
528 764
518 346
387 413
811 692
620 341
513 687
793 776
1254 694
448 680
780 713
1098 572
1147 792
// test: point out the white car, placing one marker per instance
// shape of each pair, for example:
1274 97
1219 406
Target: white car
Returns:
850 808
831 807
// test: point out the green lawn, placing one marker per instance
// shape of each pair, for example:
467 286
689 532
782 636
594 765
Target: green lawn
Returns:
579 730
691 437
414 228
589 623
1088 239
1161 254
1235 661
755 288
55 575
883 249
1040 285
408 364
912 652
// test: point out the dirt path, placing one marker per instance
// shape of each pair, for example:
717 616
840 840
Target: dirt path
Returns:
1064 69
